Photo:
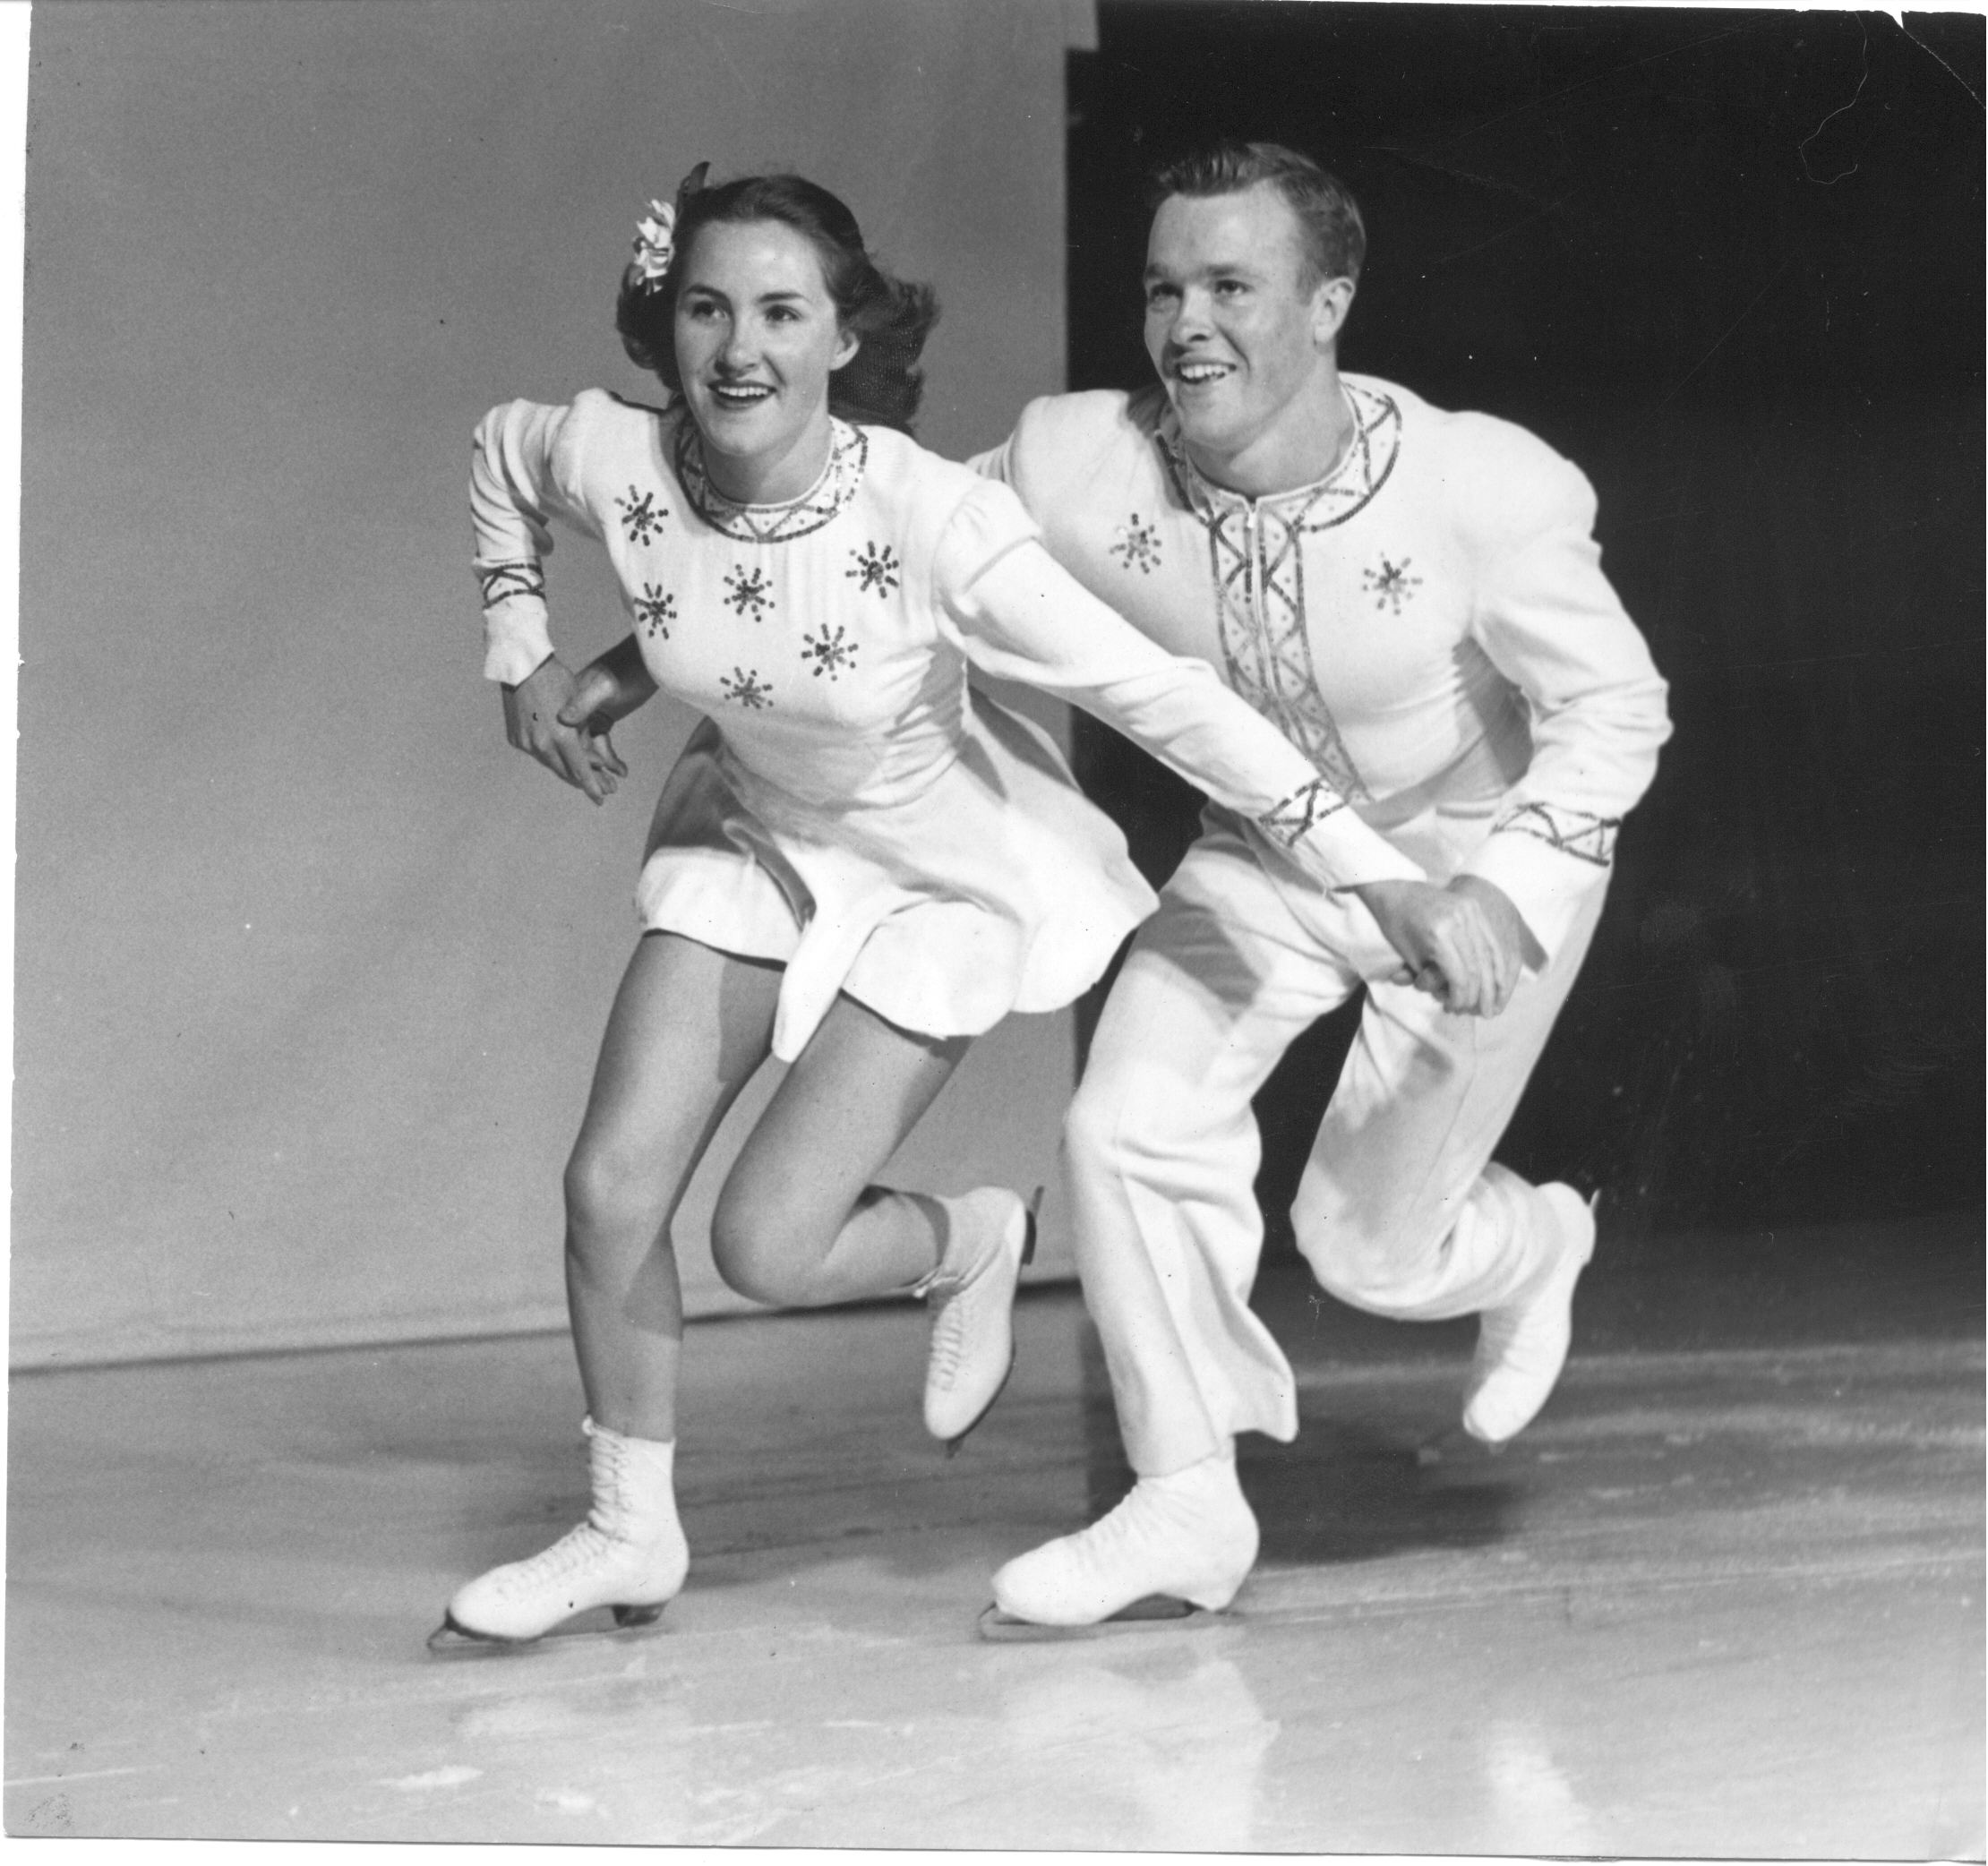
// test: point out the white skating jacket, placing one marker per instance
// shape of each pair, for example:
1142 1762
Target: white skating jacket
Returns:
1429 623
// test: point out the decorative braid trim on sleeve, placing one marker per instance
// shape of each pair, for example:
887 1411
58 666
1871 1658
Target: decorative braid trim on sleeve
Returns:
1576 833
1305 807
503 580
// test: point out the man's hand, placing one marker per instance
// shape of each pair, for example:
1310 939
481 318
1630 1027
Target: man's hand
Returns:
533 722
607 691
1465 944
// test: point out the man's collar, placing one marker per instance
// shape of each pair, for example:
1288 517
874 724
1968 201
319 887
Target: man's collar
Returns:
1364 464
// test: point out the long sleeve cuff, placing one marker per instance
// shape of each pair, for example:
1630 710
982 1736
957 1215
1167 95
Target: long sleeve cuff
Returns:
1336 847
514 487
516 639
1547 862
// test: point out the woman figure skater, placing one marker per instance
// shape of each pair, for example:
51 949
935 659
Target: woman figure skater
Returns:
858 862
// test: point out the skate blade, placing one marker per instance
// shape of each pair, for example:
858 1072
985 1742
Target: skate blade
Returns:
1035 1212
1455 1446
1028 1257
1156 1612
451 1640
959 1438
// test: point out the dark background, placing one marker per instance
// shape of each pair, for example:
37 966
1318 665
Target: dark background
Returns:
1731 263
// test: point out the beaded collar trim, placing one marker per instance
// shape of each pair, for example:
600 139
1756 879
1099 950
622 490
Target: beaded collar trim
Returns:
1361 472
848 455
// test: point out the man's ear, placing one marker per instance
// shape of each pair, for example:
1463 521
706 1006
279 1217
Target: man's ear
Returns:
1330 303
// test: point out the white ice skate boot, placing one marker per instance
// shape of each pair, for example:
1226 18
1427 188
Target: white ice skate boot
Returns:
972 1298
629 1555
1188 1538
1522 1343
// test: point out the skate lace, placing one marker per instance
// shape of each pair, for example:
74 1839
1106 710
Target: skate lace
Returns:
949 1292
577 1548
599 1536
948 1330
608 1468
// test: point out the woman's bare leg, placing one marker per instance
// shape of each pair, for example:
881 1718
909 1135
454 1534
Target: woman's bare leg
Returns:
799 1221
689 1027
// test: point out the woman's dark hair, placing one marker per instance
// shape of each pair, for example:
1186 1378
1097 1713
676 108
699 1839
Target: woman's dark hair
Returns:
1335 240
882 382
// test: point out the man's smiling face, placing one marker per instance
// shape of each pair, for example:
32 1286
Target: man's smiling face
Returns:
1237 320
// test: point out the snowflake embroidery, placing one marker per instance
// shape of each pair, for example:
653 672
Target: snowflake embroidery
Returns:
875 569
639 515
1138 545
1391 583
831 652
744 685
747 590
655 611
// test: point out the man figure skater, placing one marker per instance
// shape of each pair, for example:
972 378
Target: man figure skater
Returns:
1415 596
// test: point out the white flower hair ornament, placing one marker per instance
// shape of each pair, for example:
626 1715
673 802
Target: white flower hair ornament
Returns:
655 246
655 235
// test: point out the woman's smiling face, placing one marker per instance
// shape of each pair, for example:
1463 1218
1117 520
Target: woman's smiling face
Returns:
756 338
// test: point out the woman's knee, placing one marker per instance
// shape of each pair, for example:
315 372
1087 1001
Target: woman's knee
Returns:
611 1192
767 1245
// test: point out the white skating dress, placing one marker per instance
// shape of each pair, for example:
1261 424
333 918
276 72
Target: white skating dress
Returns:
849 808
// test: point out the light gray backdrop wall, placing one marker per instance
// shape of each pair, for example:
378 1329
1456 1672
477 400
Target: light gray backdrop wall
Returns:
311 967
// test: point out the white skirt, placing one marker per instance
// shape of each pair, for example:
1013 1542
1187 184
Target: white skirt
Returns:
999 887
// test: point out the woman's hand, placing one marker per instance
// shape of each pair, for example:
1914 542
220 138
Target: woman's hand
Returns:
1465 945
534 722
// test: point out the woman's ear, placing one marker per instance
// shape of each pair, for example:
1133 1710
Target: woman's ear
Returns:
846 347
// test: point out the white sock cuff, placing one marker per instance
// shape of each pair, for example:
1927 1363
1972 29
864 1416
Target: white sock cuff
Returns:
658 1449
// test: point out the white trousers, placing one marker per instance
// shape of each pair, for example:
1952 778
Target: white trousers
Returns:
1400 1210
